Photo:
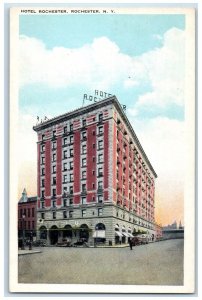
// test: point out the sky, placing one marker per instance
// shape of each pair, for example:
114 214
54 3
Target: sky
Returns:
138 58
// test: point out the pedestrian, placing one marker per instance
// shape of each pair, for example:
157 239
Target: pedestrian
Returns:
130 243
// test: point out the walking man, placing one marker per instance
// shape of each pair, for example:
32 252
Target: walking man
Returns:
130 243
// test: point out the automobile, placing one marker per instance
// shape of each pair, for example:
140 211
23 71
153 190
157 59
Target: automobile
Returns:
136 241
64 243
80 242
39 243
143 239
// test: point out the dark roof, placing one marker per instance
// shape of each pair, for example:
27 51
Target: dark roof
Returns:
28 199
91 107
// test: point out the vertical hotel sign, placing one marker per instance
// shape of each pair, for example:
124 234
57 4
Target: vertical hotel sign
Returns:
98 95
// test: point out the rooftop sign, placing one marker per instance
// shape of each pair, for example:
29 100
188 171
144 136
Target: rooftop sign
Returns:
99 95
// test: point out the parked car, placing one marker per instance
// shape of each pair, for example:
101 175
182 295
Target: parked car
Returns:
143 239
80 242
136 241
39 243
64 243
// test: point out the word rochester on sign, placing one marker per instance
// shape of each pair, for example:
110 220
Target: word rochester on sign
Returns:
99 95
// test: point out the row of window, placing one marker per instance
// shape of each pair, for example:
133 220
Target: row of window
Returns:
26 225
69 202
27 212
70 214
71 138
100 158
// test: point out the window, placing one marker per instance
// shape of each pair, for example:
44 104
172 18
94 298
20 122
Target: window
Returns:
54 203
100 158
100 185
93 132
42 194
100 144
71 127
100 172
84 149
42 182
42 216
83 200
65 141
71 152
100 117
32 224
65 129
54 133
54 180
42 159
100 198
99 211
53 145
28 212
33 212
42 148
71 213
71 190
93 158
43 171
54 156
71 177
42 204
54 215
83 187
84 135
64 178
84 162
83 174
70 201
100 129
65 167
93 172
83 213
94 146
93 186
54 169
64 214
43 137
83 123
71 165
65 154
65 202
71 139
54 192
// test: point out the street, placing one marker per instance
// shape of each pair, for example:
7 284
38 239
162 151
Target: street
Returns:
159 263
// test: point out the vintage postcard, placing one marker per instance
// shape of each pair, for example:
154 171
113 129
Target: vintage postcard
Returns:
102 149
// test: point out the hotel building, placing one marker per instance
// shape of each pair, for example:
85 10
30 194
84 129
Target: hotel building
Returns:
94 178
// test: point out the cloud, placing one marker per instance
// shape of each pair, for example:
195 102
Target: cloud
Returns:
164 70
98 64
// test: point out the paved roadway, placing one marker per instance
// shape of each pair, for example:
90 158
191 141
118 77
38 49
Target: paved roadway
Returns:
159 263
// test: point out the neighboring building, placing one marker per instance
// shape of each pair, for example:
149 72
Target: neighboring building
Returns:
27 215
159 231
94 178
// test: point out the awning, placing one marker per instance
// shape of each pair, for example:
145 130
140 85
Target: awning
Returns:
130 234
117 233
125 233
99 234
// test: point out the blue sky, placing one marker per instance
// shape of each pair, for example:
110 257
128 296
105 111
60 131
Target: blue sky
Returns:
133 35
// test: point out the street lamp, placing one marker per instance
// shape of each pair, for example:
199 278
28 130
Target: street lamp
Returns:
23 232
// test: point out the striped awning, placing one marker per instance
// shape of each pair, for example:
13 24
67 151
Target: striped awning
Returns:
117 233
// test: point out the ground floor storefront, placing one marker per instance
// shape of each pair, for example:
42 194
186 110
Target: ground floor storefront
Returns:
108 231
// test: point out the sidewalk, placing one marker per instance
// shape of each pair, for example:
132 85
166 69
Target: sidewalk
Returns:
27 251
